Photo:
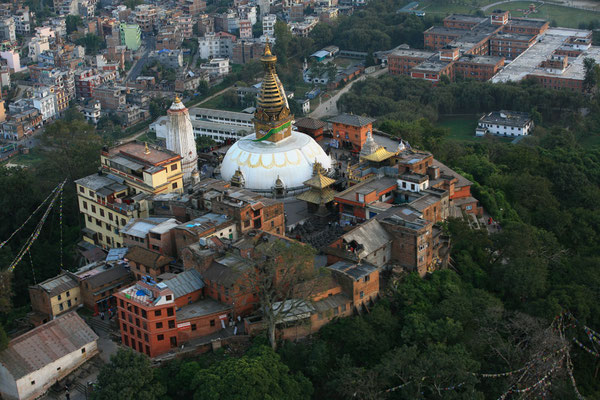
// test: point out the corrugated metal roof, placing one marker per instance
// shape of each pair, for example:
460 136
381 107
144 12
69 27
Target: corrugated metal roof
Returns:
116 254
185 283
370 235
330 302
57 285
46 344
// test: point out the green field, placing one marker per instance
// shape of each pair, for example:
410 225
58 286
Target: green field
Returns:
462 128
219 103
562 16
27 160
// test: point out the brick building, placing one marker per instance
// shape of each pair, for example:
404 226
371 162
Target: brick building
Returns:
312 127
351 130
151 233
98 282
145 262
55 296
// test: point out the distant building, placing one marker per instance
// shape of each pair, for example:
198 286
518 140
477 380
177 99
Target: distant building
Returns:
351 130
168 58
130 36
36 360
216 68
268 23
37 46
216 45
7 29
505 123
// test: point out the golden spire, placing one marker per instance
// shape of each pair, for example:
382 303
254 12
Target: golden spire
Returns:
270 99
146 149
177 99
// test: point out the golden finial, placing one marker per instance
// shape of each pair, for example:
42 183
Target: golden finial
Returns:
146 149
177 99
268 48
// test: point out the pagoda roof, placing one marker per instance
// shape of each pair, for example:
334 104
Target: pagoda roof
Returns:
316 196
319 181
379 155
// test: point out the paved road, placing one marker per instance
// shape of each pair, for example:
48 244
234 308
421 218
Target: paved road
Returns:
137 67
329 107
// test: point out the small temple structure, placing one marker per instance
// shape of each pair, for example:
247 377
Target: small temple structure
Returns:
320 195
275 160
180 139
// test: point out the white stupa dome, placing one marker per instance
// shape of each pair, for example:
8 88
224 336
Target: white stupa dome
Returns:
261 163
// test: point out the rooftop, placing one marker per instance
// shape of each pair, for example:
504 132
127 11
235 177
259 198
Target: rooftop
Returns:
368 186
353 120
209 112
137 151
509 118
353 270
185 283
465 18
148 258
140 227
100 274
201 308
369 237
413 53
59 284
485 60
45 344
310 123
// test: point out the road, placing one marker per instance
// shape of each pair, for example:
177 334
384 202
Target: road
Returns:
329 107
139 64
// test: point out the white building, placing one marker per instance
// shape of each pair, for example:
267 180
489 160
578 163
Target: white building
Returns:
217 67
269 25
13 60
8 29
304 105
36 360
22 22
93 113
180 139
246 11
505 123
37 45
213 45
45 102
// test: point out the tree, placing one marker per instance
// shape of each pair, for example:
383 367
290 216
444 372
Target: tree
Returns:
128 376
92 43
159 106
591 74
73 21
256 376
283 38
3 338
284 279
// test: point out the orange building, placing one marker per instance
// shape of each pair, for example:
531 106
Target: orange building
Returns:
351 130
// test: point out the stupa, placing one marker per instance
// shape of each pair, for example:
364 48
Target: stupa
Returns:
274 159
180 139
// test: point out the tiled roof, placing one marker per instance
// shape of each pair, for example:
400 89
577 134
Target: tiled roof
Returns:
111 274
319 181
309 123
379 155
147 257
353 120
317 197
46 344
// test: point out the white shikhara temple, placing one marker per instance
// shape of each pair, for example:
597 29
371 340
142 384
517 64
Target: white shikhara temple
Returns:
180 139
275 159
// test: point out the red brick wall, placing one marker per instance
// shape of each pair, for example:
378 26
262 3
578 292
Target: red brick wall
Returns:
355 135
200 326
462 192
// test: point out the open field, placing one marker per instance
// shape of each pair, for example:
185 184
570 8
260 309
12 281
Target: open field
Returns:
461 128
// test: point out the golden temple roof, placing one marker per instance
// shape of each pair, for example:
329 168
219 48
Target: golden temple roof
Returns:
316 196
379 155
270 99
319 181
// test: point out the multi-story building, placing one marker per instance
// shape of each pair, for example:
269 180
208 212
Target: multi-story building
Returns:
87 80
130 35
110 97
268 23
55 296
245 29
151 233
216 45
144 262
510 45
13 60
402 61
206 24
8 29
22 124
37 46
155 317
93 112
44 100
145 16
22 22
99 281
193 7
246 50
185 24
168 58
129 173
480 68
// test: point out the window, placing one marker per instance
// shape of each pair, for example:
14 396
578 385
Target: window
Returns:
59 297
137 322
89 218
159 325
212 322
61 307
367 278
139 334
81 189
157 313
193 327
110 216
84 204
170 312
83 350
33 382
144 314
171 323
343 307
131 330
68 303
174 185
173 167
160 337
336 311
93 209
362 294
101 212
